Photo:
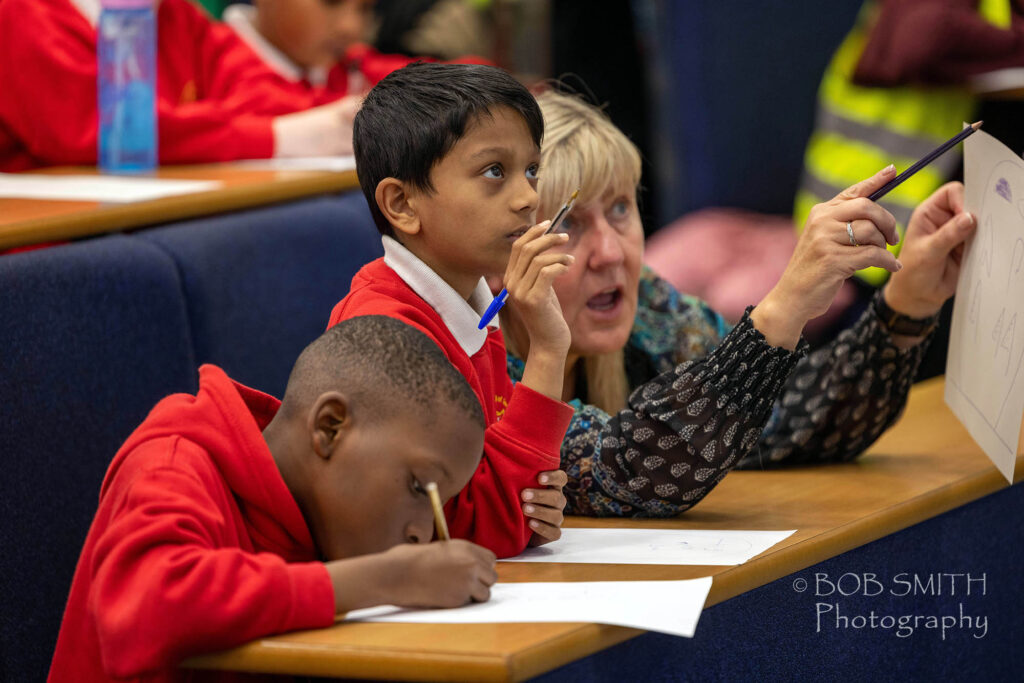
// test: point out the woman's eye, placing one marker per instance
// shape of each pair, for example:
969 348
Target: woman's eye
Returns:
565 226
531 172
620 209
494 172
417 487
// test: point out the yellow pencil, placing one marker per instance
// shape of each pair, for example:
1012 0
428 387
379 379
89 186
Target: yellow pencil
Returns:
435 502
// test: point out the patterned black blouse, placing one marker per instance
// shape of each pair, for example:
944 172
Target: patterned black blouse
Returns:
706 399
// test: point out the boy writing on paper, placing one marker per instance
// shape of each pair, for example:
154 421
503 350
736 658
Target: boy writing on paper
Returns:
229 515
318 43
447 156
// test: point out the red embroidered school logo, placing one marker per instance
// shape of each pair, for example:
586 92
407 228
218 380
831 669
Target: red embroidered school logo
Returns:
501 403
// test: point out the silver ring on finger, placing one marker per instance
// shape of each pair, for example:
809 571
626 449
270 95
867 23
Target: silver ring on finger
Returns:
849 233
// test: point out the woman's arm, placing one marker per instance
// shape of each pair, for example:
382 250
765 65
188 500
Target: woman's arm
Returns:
680 432
840 398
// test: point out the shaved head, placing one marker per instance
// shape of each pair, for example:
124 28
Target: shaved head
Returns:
385 367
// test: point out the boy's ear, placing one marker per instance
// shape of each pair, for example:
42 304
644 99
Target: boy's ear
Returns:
329 421
397 204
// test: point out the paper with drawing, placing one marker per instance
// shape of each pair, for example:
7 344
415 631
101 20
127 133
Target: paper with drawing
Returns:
984 383
654 546
665 606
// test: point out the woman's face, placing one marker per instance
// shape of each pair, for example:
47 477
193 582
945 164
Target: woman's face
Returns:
599 293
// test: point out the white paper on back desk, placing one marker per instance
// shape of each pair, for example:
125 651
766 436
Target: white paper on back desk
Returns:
654 546
97 188
984 382
671 607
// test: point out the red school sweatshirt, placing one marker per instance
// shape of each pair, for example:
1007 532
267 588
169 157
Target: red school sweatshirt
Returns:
215 98
197 545
373 66
524 428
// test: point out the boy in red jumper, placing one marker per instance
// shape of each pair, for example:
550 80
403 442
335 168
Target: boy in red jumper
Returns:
228 515
318 43
447 157
216 100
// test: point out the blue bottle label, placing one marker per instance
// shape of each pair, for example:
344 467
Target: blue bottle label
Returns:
126 43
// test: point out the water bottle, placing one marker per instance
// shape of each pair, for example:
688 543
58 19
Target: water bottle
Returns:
126 51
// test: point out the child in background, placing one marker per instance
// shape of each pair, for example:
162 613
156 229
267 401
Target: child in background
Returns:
318 43
447 157
216 100
227 516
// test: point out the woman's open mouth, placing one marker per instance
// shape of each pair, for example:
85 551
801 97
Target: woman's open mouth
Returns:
606 301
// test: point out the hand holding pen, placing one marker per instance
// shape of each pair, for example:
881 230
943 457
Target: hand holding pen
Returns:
552 225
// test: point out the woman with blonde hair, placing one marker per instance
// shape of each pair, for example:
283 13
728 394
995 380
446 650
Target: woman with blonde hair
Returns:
668 398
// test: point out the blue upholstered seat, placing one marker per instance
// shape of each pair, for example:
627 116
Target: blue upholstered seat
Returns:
91 336
260 285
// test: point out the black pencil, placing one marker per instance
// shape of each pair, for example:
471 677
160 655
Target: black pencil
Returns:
929 158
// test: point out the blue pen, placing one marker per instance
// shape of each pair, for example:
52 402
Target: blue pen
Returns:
499 301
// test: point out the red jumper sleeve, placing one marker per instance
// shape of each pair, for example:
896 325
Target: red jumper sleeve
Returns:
526 442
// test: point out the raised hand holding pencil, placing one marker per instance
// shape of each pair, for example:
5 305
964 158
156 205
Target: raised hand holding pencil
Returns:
499 300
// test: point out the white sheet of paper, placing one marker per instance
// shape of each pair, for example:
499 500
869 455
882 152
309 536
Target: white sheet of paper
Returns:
90 188
984 383
347 163
671 607
654 546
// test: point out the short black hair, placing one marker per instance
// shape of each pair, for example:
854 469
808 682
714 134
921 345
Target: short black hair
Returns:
414 116
384 364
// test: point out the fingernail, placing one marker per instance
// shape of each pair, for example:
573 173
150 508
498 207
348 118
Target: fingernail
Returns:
528 495
534 523
965 220
543 479
899 266
545 223
889 169
528 509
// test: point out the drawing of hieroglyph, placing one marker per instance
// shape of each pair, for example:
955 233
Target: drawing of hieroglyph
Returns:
984 375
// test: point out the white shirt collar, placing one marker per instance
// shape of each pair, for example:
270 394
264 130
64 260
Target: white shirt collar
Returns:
89 8
242 19
460 316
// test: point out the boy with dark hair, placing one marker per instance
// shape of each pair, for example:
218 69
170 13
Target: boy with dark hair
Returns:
447 157
228 515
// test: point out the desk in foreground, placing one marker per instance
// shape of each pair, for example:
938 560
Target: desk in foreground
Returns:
33 221
924 466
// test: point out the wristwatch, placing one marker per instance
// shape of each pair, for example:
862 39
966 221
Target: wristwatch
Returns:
897 323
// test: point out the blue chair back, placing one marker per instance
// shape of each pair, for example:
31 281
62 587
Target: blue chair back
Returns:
92 335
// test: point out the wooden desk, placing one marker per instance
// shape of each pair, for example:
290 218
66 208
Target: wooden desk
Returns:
32 221
923 467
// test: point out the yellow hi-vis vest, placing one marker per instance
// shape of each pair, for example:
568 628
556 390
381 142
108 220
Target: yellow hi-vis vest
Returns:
858 131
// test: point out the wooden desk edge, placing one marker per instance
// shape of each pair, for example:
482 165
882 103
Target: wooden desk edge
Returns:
137 215
585 639
579 641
